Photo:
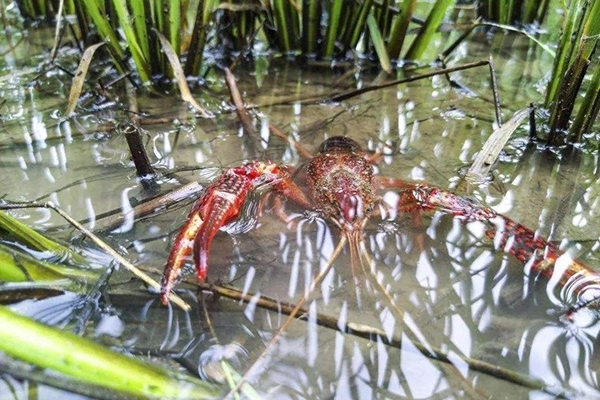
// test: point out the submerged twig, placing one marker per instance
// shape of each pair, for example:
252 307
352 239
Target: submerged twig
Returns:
124 262
376 335
141 210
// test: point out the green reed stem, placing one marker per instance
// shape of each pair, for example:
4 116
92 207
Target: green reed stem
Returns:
96 12
335 13
358 24
424 38
133 42
565 49
588 110
201 23
379 44
311 26
400 27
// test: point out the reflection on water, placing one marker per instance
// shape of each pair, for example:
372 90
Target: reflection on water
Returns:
434 284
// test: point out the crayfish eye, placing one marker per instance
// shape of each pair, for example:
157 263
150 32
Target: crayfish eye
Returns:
339 143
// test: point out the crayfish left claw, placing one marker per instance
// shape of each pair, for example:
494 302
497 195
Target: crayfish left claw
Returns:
219 205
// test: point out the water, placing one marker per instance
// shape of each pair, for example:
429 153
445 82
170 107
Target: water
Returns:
433 282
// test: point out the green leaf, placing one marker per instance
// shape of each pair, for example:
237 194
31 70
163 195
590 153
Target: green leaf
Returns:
384 59
92 363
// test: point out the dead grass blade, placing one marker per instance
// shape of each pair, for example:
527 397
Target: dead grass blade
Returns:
79 78
488 154
186 94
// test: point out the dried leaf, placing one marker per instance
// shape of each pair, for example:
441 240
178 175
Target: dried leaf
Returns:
186 95
79 78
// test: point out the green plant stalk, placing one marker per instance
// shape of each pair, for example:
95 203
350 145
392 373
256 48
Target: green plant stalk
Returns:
196 49
571 83
125 20
534 11
175 25
384 59
566 97
158 23
424 38
400 27
508 11
92 8
16 266
284 15
563 55
335 13
33 239
311 16
82 359
359 24
588 110
138 12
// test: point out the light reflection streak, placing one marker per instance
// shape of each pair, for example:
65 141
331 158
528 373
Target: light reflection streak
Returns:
127 212
312 335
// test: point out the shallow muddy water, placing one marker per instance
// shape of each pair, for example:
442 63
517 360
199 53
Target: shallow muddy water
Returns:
434 285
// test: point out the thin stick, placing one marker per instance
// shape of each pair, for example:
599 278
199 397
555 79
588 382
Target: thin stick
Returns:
240 108
143 168
124 262
292 316
495 92
57 31
354 93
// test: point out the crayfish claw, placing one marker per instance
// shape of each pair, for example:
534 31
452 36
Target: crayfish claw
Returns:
221 204
182 247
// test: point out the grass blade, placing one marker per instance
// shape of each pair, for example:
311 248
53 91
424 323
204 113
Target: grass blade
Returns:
26 235
186 95
424 37
17 266
92 363
400 27
378 42
125 20
79 78
335 13
95 11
